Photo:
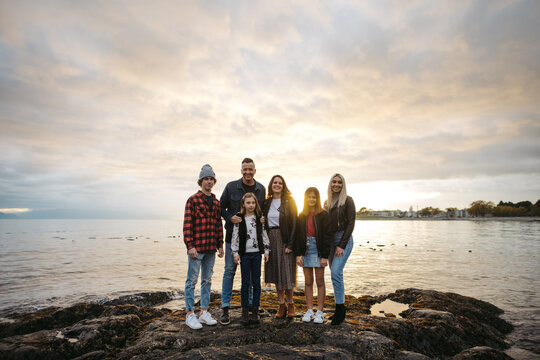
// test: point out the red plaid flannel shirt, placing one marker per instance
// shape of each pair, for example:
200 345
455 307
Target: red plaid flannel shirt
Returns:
203 229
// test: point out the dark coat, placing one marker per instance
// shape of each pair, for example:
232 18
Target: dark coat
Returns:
230 202
323 234
287 219
342 218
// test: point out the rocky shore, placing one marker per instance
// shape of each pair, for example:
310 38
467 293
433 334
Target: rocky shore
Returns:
436 325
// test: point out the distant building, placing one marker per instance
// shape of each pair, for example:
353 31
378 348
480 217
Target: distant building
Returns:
457 213
411 214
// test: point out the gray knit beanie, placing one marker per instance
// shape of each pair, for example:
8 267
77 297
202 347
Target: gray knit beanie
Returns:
206 171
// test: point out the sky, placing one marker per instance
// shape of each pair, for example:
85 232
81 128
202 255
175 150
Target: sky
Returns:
110 108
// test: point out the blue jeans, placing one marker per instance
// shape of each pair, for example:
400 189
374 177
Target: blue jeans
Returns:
228 278
206 262
336 266
250 267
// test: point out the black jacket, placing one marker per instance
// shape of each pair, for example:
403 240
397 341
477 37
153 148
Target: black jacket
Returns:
242 234
323 234
342 218
287 219
230 202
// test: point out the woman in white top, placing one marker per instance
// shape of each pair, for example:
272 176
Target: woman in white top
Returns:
280 212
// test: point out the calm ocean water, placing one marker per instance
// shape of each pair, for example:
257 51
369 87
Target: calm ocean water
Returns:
59 262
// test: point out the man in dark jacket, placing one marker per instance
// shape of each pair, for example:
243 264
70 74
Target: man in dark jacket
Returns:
230 206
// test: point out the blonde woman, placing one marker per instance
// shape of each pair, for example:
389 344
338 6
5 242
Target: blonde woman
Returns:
342 217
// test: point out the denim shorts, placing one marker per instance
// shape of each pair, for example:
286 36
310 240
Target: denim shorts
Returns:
311 259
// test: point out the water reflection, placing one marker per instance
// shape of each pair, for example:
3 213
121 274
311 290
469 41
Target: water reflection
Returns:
61 261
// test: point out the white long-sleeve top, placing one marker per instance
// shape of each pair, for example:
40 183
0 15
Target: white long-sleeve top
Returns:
252 245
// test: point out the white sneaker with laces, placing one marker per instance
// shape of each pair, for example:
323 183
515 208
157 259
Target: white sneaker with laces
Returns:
206 318
319 317
193 322
308 316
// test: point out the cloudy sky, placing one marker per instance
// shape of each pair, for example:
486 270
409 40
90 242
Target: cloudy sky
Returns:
112 107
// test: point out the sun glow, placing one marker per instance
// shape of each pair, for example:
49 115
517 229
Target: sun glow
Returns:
388 195
14 210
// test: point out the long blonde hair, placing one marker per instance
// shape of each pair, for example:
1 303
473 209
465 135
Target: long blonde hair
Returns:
342 195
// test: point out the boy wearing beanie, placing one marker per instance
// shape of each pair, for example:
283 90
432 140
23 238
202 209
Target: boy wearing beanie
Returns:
203 235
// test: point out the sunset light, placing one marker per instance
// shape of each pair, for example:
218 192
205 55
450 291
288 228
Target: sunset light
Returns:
414 104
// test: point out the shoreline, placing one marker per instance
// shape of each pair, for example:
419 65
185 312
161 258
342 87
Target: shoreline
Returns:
523 218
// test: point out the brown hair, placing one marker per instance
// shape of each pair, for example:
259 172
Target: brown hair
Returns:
318 207
257 207
284 192
199 182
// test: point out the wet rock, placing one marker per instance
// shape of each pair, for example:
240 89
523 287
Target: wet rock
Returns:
141 299
50 318
429 314
410 355
481 353
364 344
437 325
37 345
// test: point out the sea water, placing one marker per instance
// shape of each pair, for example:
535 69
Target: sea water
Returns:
60 262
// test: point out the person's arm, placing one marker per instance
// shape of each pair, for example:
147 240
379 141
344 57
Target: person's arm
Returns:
188 229
266 241
225 201
263 193
235 241
220 236
350 216
264 215
188 224
266 244
299 236
293 213
326 234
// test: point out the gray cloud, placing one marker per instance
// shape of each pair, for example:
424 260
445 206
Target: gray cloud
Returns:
103 103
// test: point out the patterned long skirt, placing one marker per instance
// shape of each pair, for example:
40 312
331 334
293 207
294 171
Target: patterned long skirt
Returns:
280 268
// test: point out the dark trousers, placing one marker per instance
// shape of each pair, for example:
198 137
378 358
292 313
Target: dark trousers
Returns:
250 266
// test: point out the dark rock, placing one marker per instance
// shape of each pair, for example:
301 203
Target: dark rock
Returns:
409 355
94 355
267 351
364 344
142 299
481 353
437 325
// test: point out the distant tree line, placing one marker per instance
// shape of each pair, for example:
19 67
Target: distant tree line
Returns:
430 211
479 208
504 209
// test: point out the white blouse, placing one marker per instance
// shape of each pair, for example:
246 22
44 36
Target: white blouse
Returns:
273 213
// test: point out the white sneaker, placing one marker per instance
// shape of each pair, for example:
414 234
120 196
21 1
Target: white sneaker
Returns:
206 318
319 317
308 316
193 322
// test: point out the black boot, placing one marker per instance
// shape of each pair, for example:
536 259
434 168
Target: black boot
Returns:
254 316
245 316
224 319
339 315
